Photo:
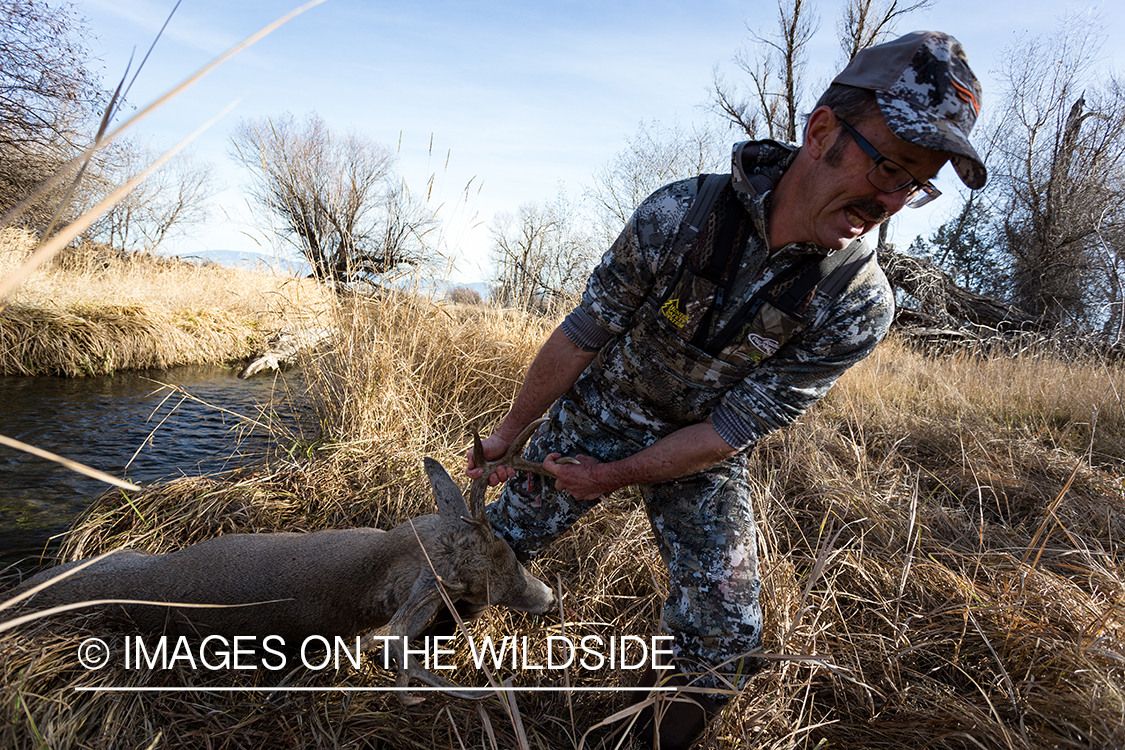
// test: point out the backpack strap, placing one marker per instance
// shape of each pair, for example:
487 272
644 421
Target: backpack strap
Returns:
710 189
835 280
829 276
706 194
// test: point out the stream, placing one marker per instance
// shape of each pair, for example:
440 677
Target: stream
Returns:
125 425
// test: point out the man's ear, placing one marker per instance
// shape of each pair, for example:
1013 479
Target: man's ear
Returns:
822 131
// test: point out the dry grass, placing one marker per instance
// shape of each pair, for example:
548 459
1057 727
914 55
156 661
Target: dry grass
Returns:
93 312
943 536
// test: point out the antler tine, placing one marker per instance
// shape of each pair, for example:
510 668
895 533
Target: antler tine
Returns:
479 486
519 463
511 457
516 448
478 450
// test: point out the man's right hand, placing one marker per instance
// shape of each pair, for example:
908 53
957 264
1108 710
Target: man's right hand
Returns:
494 446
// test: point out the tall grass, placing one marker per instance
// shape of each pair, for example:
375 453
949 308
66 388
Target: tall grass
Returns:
940 548
94 312
944 538
940 539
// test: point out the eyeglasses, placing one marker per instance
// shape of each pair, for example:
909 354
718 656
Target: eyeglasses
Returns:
888 177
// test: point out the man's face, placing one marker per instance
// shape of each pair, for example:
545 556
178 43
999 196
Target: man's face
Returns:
842 203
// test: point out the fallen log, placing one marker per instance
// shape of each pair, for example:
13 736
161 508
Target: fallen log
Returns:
940 296
284 348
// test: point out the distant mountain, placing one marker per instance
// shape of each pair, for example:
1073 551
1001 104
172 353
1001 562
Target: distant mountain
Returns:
435 288
256 261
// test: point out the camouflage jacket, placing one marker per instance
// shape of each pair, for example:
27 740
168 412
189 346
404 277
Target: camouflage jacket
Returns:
647 381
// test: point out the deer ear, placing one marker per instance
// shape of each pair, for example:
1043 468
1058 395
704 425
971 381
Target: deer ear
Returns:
448 495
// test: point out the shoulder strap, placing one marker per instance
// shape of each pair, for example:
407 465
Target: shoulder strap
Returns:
829 276
835 280
706 195
712 189
708 188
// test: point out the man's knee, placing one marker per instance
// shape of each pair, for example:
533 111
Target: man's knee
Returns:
530 514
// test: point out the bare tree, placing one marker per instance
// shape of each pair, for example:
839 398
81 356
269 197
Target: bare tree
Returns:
405 223
541 258
1109 262
169 202
865 23
775 63
654 156
1058 176
48 98
44 83
965 247
335 197
464 295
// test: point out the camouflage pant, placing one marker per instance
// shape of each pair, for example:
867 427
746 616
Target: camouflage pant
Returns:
704 526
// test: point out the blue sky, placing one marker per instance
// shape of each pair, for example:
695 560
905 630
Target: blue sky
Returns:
518 99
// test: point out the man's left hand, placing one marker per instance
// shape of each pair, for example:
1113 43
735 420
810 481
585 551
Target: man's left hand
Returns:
582 480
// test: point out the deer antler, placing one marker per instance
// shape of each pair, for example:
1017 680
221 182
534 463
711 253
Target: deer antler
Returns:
511 457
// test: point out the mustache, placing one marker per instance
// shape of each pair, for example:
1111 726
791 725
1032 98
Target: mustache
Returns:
870 208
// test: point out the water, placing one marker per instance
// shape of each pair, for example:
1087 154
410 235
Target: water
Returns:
103 422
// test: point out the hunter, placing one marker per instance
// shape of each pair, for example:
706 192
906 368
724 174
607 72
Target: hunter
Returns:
728 306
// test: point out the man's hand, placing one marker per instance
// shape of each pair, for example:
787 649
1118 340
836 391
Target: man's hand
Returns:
573 475
582 479
494 446
555 369
686 451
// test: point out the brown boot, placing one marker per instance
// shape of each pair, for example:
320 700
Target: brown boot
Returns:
675 720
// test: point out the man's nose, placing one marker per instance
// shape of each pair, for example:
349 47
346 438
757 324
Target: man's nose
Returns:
893 202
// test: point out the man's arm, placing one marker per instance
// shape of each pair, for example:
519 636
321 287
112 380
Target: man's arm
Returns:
686 451
554 370
616 289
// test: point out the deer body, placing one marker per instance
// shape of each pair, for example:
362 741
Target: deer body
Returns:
336 582
329 583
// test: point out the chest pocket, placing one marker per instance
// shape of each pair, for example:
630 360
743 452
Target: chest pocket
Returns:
756 331
713 245
761 336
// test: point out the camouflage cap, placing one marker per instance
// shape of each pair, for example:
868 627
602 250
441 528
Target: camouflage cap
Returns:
927 93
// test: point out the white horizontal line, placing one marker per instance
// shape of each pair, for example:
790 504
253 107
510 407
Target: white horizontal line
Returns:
504 689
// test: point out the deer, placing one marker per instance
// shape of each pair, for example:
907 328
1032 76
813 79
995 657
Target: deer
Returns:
337 582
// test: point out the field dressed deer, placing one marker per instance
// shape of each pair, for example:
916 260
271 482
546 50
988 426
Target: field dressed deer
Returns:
329 583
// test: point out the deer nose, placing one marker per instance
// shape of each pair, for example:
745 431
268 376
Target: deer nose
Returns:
541 597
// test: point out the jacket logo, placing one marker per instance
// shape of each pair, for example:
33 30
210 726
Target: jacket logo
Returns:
762 344
675 315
